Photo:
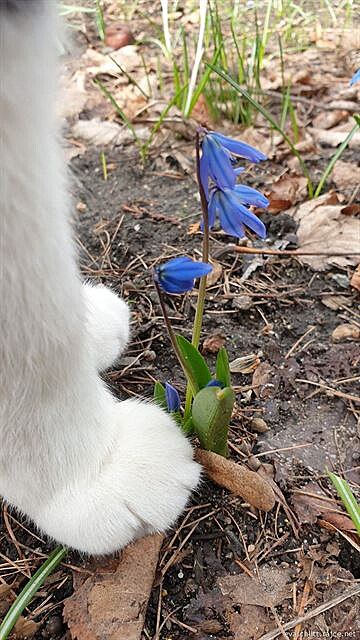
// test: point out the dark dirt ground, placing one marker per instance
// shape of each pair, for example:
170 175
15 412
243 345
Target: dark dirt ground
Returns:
124 226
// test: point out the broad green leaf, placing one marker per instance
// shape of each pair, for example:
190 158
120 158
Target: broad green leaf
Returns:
159 395
194 362
222 368
211 414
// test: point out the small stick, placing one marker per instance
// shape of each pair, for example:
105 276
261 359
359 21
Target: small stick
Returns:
288 252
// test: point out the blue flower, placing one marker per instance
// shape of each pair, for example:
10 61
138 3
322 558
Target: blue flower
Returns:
178 274
228 204
172 398
219 155
215 383
355 78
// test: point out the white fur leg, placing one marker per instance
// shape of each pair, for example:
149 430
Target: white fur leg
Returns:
107 321
140 486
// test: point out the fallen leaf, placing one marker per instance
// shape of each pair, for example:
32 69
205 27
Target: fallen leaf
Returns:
323 229
276 205
346 175
245 364
351 210
250 624
238 479
335 302
259 425
215 274
339 520
25 628
243 302
213 343
334 138
270 589
261 380
310 502
345 332
355 278
111 603
329 119
287 189
102 132
127 58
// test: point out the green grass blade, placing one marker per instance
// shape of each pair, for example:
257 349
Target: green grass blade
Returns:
348 498
29 591
270 119
100 22
117 108
335 158
130 78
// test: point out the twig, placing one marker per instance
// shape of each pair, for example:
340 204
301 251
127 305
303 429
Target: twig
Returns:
330 391
312 614
288 252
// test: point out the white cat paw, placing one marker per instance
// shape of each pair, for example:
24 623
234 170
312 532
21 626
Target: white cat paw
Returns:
107 320
140 487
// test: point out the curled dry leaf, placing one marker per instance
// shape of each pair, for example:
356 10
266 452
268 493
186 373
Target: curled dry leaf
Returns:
213 343
111 603
334 138
287 191
245 364
346 175
103 132
345 332
328 119
269 589
25 629
237 479
324 229
335 302
355 278
215 274
259 425
261 380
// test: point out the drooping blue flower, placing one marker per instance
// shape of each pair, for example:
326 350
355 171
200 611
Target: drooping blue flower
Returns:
219 155
172 398
215 383
228 204
178 274
355 78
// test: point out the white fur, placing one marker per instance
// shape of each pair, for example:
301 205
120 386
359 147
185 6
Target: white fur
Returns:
91 472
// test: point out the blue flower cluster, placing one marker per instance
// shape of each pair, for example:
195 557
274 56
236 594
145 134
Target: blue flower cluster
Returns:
226 199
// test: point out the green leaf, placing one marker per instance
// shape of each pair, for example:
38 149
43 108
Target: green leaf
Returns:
194 362
29 591
222 368
348 498
211 414
188 426
159 395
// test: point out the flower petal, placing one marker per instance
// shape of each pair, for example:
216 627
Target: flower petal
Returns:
178 274
220 167
355 78
238 148
247 218
248 195
172 397
229 219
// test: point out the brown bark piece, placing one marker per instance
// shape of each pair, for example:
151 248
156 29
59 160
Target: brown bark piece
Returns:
237 479
111 604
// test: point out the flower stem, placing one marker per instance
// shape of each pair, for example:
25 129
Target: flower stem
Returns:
202 287
191 383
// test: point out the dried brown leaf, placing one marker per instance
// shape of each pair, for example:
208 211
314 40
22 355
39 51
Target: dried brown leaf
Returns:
346 175
213 343
355 278
329 119
344 332
25 628
270 589
323 229
288 189
250 624
261 380
111 603
215 274
237 479
245 364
